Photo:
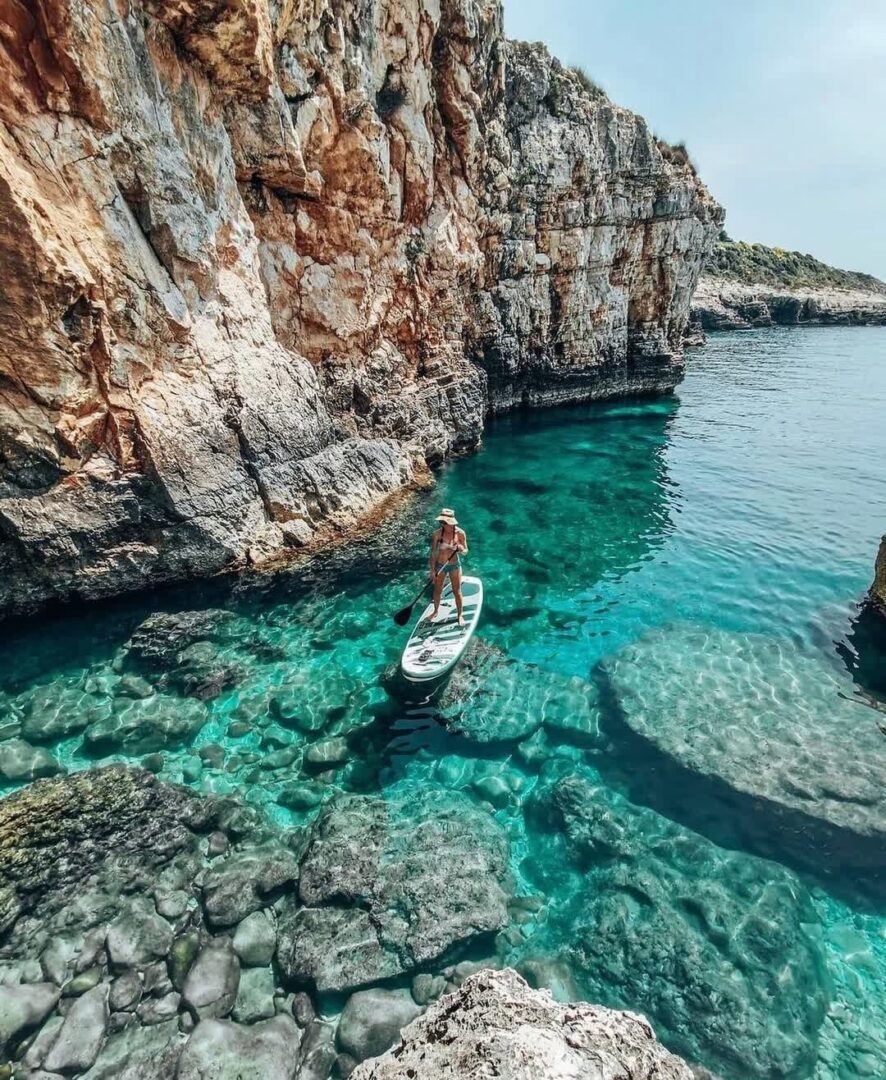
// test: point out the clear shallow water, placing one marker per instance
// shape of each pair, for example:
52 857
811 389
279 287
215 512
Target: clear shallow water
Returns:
749 504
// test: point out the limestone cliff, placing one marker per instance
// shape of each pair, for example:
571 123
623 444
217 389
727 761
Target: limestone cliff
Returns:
263 262
744 286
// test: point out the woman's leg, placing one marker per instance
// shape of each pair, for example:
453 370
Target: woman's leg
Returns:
455 578
439 581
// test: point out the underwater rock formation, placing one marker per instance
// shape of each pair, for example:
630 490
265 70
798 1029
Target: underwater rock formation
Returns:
388 885
802 760
495 1025
144 928
265 262
706 941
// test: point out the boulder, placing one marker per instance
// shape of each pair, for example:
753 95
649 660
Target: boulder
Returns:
802 764
21 761
222 1050
247 881
495 1025
210 988
146 725
255 996
332 948
24 1007
255 940
126 991
81 1035
138 936
372 1020
182 954
156 1010
303 796
318 1052
139 1053
402 880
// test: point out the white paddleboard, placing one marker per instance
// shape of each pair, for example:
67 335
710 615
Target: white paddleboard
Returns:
434 648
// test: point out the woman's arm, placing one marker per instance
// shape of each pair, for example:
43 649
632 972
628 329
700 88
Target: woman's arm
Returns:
432 557
462 542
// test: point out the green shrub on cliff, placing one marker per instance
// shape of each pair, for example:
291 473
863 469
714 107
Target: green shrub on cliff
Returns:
675 153
759 264
587 82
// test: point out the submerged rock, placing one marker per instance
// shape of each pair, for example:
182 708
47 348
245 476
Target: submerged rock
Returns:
495 1025
494 698
372 1020
144 726
803 764
718 947
390 884
224 1050
23 1008
138 936
255 939
247 881
55 832
78 1042
210 988
21 761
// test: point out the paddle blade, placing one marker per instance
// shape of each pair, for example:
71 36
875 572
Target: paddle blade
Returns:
402 616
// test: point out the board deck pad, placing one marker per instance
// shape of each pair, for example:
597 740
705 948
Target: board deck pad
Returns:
434 648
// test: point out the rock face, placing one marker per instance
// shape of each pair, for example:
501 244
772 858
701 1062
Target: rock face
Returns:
264 262
804 762
878 589
495 1025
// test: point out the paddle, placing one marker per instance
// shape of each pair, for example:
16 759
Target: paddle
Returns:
404 614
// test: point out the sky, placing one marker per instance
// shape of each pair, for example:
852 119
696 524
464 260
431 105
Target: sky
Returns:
781 103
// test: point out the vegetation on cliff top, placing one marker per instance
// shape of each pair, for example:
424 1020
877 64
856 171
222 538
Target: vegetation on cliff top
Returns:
758 264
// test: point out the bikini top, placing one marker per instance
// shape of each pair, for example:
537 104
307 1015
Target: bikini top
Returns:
442 544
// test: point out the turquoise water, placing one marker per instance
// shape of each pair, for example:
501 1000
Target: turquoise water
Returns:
744 510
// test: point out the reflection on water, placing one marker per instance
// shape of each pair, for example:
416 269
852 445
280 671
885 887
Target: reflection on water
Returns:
611 539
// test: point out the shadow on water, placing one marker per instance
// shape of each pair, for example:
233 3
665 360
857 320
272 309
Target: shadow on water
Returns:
863 651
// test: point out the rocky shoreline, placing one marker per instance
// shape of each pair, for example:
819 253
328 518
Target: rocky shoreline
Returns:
148 932
744 286
721 304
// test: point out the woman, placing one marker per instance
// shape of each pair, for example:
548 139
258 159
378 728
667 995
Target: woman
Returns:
448 544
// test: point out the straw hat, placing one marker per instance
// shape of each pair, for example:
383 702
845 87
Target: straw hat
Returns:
447 516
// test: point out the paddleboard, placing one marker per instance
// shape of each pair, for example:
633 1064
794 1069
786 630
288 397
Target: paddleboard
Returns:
434 648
